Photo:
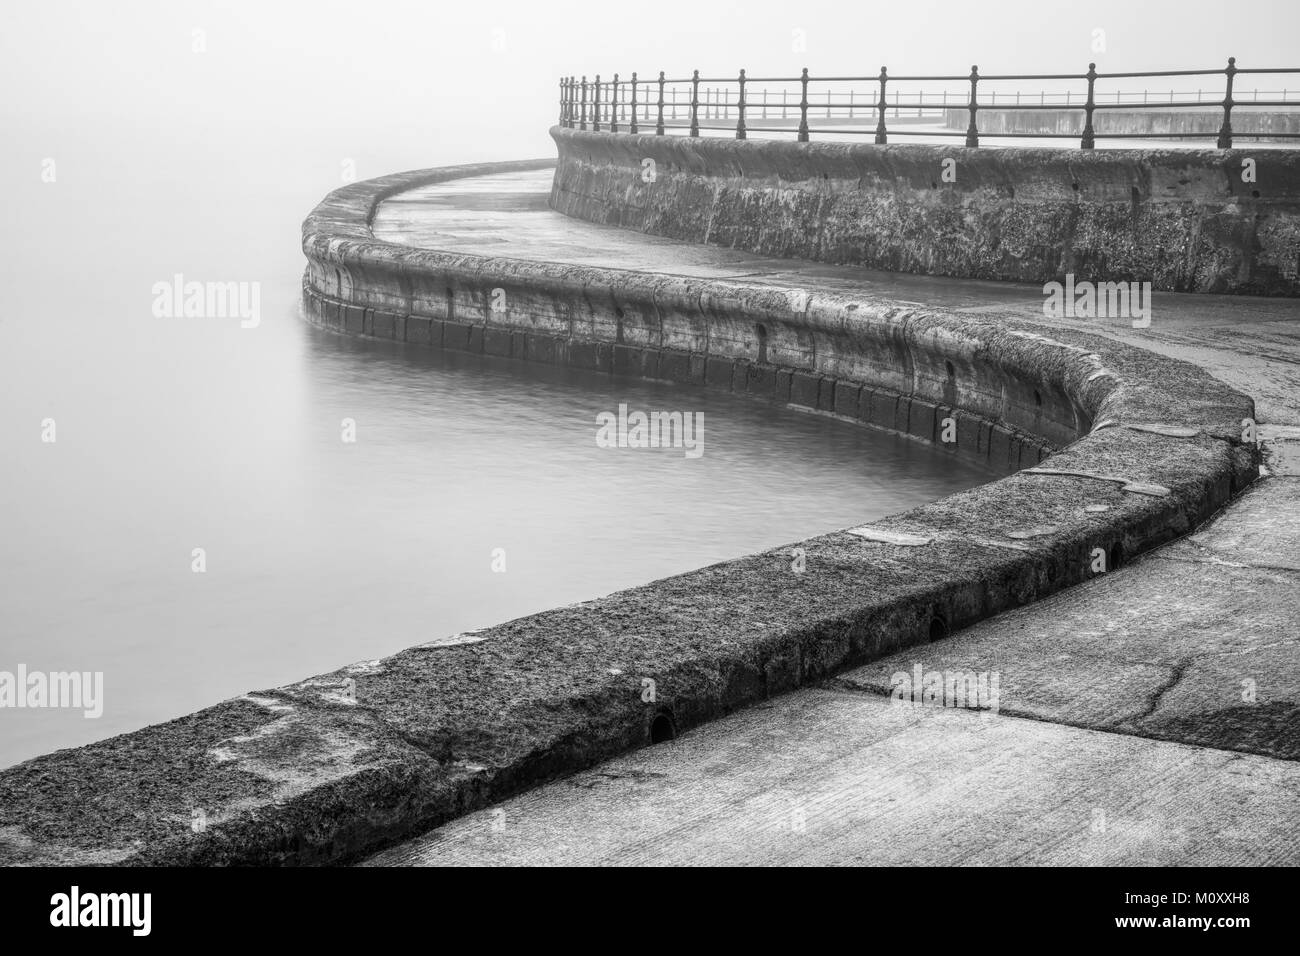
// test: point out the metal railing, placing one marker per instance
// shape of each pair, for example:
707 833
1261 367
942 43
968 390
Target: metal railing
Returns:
640 106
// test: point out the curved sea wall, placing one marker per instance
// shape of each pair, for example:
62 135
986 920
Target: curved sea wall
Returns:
344 763
1183 220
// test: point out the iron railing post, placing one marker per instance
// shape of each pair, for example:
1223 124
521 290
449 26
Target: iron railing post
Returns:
613 105
882 135
583 115
972 131
595 105
659 124
740 108
1089 140
633 129
803 106
695 104
1225 134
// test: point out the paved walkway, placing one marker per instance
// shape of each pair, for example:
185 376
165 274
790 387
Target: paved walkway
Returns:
1151 715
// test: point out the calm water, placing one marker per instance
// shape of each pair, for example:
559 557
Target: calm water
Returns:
177 434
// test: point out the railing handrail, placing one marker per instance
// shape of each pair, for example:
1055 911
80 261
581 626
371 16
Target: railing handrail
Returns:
576 95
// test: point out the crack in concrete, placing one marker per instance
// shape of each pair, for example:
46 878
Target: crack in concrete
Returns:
1158 695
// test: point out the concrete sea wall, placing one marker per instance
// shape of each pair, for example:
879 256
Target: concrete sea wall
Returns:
1182 219
1137 120
341 764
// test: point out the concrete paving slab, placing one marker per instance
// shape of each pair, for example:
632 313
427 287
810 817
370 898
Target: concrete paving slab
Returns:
1195 642
821 777
1260 529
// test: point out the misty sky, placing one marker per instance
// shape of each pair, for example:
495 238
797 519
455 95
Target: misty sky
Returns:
421 73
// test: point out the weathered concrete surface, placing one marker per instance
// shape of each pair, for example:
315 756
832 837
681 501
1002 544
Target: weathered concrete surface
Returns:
1181 219
1251 343
821 778
1196 643
1128 120
347 762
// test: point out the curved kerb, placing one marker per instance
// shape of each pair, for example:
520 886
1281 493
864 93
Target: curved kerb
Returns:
1141 449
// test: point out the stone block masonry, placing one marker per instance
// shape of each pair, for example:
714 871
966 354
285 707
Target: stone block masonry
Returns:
1184 220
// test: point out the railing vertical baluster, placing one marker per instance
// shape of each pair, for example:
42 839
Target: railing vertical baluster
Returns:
595 105
740 108
1089 140
972 131
634 128
882 136
1225 134
613 106
803 107
828 104
583 115
659 122
695 103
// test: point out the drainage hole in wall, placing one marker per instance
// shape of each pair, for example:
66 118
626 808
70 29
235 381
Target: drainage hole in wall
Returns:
761 331
938 628
1116 555
1038 399
1255 193
1075 187
952 372
662 727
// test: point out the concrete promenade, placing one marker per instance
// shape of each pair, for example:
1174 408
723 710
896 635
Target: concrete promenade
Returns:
1150 715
